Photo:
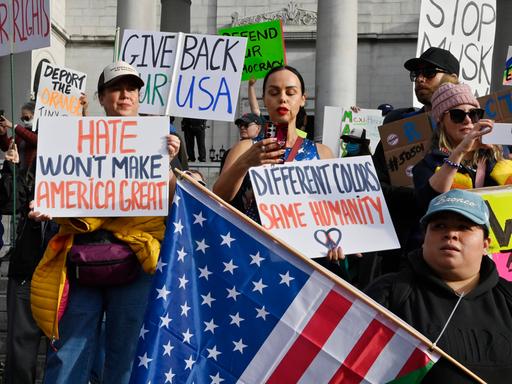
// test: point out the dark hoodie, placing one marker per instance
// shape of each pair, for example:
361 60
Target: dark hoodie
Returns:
480 333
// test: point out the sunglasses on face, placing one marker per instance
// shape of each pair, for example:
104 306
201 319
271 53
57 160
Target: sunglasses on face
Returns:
25 118
427 73
458 115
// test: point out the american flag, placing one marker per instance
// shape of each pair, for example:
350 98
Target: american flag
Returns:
229 304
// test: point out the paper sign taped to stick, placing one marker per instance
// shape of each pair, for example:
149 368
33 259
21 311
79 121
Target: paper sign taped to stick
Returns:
466 28
206 78
405 142
507 75
317 205
102 166
24 25
265 47
501 134
499 201
59 91
153 54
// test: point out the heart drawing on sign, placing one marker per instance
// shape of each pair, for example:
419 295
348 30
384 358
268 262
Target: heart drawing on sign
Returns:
328 238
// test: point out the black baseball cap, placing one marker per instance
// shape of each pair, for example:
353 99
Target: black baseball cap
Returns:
437 57
248 118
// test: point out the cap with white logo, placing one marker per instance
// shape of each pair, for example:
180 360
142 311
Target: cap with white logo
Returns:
115 71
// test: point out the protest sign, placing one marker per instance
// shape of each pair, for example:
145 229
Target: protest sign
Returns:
153 54
499 201
338 121
24 25
206 77
466 28
501 134
59 92
102 166
265 47
320 204
507 75
503 263
405 142
498 106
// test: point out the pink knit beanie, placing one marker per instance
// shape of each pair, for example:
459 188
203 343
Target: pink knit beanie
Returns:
450 95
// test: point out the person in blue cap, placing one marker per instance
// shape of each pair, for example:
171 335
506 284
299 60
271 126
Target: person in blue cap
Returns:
452 293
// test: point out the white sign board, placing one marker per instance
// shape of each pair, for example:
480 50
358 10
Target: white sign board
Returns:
501 134
24 25
338 121
316 205
207 75
153 54
102 166
466 28
58 93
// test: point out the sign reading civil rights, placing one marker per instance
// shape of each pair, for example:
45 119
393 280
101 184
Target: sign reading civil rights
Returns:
102 166
317 205
24 25
265 47
59 91
206 77
153 54
466 28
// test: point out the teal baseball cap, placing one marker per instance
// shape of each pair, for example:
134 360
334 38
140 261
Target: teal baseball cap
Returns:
465 203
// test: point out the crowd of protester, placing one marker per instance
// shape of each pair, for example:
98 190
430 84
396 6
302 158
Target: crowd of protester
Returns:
439 281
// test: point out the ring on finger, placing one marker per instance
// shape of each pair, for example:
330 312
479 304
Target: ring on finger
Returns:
262 148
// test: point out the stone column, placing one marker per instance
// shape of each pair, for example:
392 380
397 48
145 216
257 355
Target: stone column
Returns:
136 14
501 43
336 57
175 16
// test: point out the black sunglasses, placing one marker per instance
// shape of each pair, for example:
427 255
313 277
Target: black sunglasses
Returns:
458 115
427 73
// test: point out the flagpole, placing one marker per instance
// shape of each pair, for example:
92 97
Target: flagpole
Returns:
13 138
330 275
116 44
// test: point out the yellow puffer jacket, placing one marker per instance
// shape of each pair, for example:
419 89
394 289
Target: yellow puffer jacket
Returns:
142 234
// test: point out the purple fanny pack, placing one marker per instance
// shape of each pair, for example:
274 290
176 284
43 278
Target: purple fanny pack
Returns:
102 264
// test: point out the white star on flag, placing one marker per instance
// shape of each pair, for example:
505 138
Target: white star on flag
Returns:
227 239
177 200
184 309
229 267
144 360
165 321
178 227
162 293
236 319
201 246
262 313
216 379
189 363
160 265
239 346
213 353
257 259
167 348
204 272
143 332
169 376
187 336
182 254
183 282
259 286
286 278
199 219
210 326
232 293
208 299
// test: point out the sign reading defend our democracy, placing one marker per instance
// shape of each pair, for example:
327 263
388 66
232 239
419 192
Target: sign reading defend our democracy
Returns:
102 166
265 47
317 205
24 25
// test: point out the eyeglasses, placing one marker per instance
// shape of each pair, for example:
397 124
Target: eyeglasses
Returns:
427 73
458 115
25 118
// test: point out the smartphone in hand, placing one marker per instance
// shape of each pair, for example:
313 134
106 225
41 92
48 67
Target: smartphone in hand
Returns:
2 115
277 130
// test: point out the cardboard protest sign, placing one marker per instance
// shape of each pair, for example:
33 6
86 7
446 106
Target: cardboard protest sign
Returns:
498 106
405 142
501 134
102 166
320 204
507 75
59 92
206 78
503 263
338 121
24 25
466 28
153 54
499 201
265 47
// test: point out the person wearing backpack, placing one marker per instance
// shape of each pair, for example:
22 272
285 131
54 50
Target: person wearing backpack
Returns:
452 293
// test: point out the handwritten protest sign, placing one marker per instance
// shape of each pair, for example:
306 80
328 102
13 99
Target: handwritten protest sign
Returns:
405 142
338 121
466 28
265 47
102 166
499 201
507 75
59 91
503 263
498 106
317 205
24 25
206 78
153 54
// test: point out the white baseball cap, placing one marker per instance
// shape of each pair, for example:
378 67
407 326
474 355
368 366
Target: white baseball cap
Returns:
115 71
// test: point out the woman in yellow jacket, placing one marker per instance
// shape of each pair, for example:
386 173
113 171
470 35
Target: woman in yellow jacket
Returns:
69 312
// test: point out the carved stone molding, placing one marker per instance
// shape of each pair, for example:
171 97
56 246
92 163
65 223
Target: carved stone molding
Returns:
291 15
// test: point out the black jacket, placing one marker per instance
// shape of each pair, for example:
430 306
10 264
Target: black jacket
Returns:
480 333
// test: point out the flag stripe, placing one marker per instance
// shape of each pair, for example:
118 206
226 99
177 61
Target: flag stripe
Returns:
339 345
287 329
312 339
364 353
417 360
